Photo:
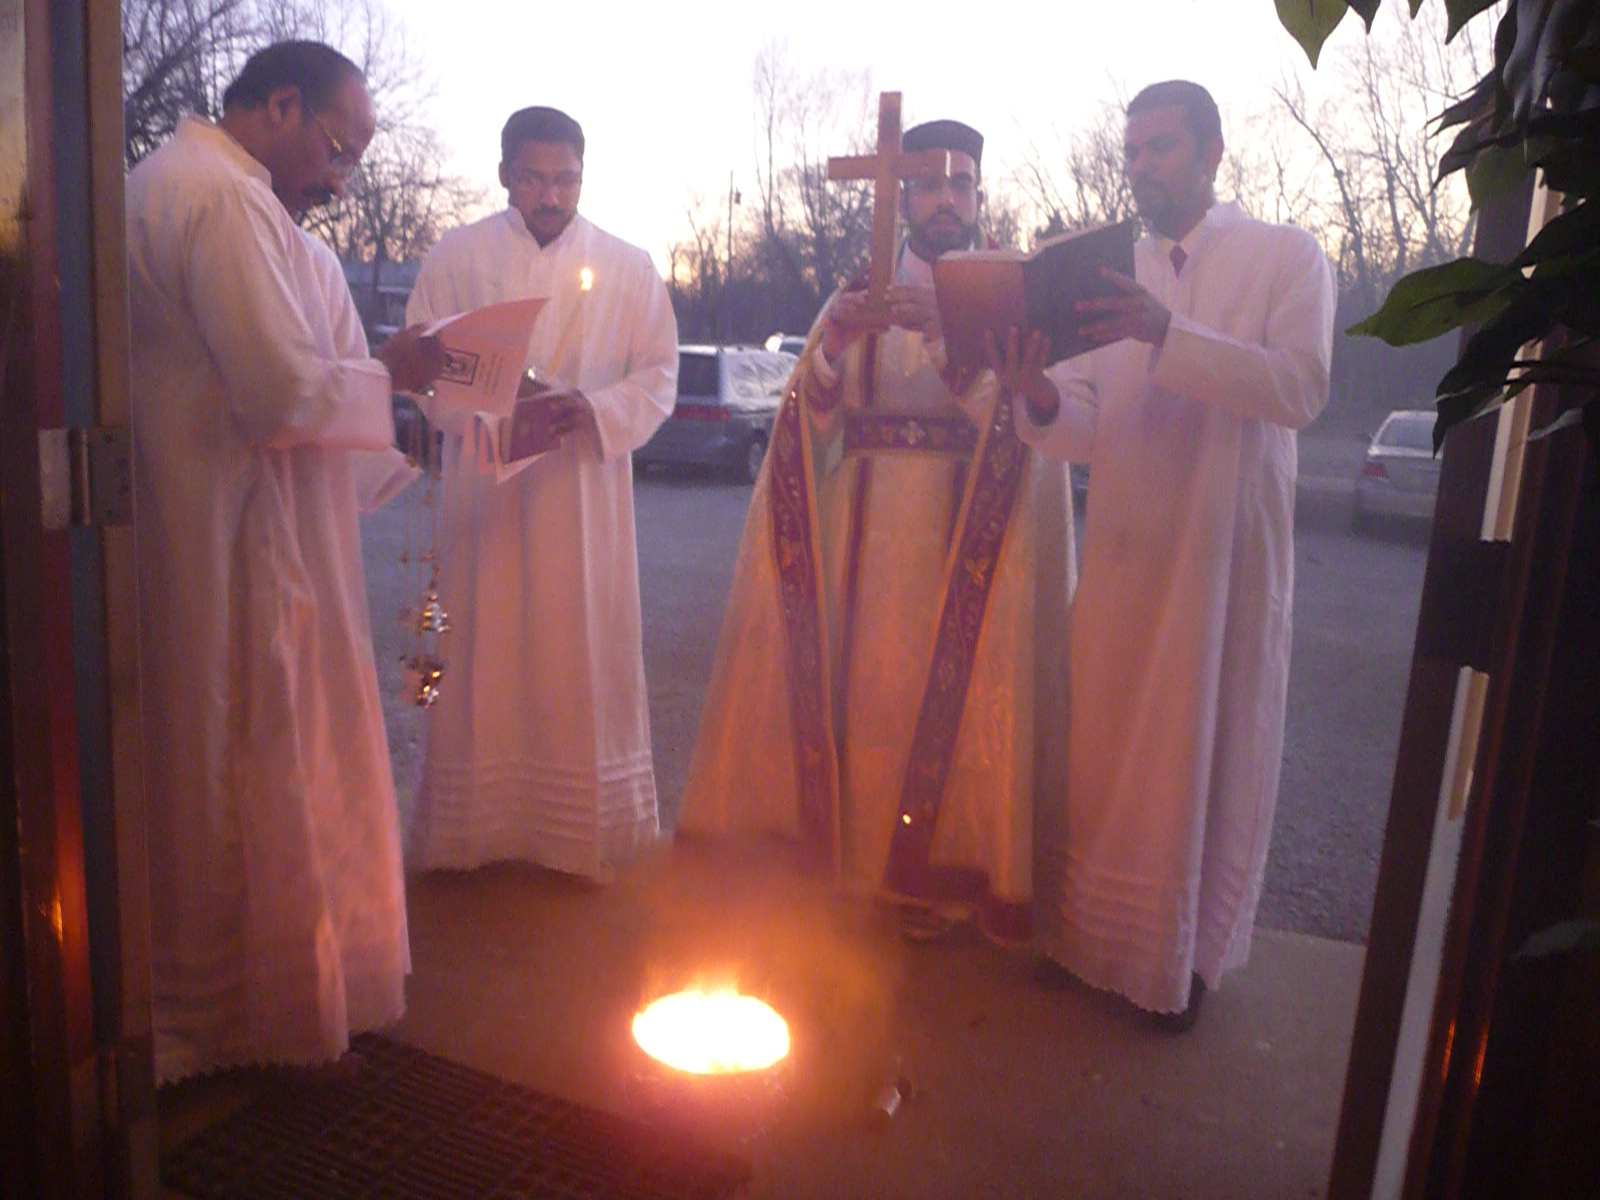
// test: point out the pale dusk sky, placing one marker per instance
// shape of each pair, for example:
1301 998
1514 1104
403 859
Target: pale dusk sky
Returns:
664 91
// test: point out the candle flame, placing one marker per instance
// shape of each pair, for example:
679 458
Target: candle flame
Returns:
712 1032
585 279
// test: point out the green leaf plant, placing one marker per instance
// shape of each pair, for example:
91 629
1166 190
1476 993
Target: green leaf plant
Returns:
1536 319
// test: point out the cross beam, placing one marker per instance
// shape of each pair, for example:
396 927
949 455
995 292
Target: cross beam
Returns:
886 168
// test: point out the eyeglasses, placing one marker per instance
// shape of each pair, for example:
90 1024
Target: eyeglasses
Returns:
538 181
342 156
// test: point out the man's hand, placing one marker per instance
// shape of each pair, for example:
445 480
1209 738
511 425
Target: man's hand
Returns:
571 413
414 361
914 308
1134 313
1020 370
545 418
849 317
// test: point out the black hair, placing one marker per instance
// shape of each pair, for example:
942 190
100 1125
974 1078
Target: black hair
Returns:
315 69
539 125
1199 109
946 135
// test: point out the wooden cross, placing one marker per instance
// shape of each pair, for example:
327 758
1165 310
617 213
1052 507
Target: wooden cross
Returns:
886 168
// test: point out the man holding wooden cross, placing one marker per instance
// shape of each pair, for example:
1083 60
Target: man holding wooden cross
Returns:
892 661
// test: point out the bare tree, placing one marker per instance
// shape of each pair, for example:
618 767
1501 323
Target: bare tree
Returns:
814 233
177 56
1005 214
401 197
180 54
699 276
1381 213
1082 182
742 273
746 271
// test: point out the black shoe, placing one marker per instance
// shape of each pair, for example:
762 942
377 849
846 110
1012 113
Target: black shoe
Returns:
1184 1020
1051 975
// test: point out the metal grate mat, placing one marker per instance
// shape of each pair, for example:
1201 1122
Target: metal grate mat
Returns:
412 1126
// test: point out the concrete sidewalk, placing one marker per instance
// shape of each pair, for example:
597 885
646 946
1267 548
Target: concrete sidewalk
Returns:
1013 1091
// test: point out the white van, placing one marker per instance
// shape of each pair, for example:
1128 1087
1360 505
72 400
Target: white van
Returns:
728 397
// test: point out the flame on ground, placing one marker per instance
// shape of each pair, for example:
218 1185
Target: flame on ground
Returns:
712 1032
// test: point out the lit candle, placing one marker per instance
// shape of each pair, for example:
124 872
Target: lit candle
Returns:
573 328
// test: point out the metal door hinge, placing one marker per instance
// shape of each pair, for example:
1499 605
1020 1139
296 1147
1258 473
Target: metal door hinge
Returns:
86 477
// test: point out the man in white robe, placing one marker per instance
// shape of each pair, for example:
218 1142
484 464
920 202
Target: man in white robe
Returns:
890 681
260 424
1180 631
538 748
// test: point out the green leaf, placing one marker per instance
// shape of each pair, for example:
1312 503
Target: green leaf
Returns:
1573 416
1435 300
1489 354
1367 9
1461 11
1570 167
1561 939
1461 407
1494 171
1571 234
1478 104
1310 22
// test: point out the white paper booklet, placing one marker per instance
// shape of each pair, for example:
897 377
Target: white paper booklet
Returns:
485 351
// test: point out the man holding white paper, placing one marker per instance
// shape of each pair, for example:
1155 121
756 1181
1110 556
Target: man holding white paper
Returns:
539 746
261 425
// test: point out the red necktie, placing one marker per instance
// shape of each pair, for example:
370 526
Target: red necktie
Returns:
1179 257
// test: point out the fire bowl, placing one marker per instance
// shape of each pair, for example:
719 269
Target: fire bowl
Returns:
720 1100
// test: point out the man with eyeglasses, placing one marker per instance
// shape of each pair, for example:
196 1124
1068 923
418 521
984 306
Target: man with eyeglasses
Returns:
889 684
538 748
261 426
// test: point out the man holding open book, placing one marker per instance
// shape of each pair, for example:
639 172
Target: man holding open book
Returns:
1219 350
888 687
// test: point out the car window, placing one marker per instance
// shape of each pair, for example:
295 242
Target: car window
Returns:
748 378
1408 433
781 366
697 373
773 375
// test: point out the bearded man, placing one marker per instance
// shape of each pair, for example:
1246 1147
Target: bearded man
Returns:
889 686
1181 631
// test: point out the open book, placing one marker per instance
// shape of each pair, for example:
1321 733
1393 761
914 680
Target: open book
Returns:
502 446
981 290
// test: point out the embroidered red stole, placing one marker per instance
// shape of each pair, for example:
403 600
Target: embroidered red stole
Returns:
984 516
791 506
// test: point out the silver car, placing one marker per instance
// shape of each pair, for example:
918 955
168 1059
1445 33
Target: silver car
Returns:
1400 475
727 400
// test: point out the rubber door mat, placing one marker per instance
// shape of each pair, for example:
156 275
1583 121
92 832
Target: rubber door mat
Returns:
412 1126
